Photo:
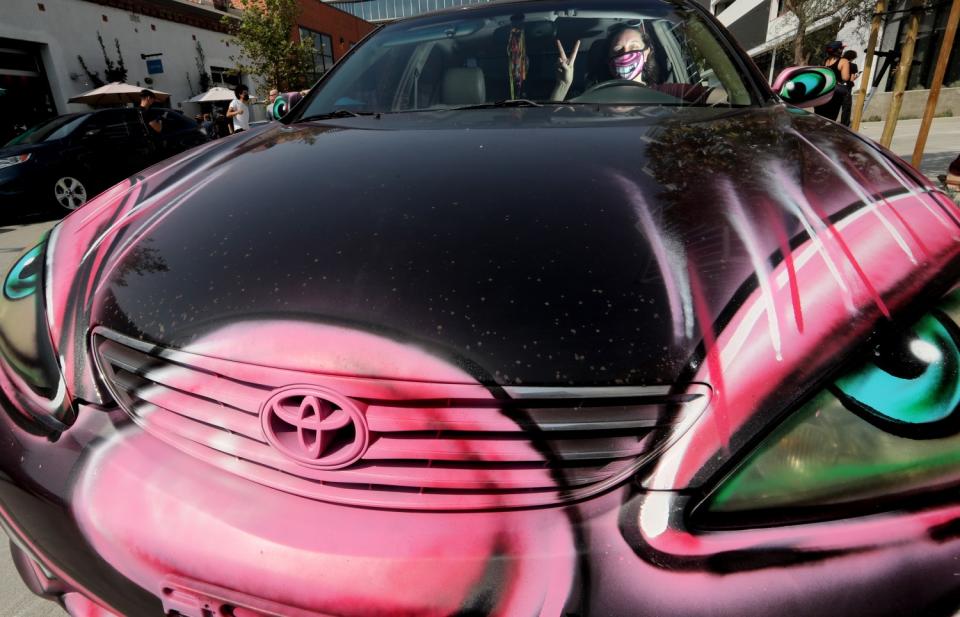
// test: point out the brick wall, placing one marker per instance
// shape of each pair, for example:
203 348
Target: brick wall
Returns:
342 27
319 16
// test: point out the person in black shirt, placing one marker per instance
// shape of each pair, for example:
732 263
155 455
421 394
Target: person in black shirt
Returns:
208 127
841 70
147 99
847 102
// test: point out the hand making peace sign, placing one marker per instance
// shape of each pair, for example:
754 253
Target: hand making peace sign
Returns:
565 64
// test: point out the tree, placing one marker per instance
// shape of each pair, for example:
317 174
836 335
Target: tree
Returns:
809 12
265 34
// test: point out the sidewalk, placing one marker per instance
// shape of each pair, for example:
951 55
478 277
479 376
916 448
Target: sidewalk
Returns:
943 142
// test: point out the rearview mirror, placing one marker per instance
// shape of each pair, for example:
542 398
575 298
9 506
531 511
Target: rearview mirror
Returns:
805 86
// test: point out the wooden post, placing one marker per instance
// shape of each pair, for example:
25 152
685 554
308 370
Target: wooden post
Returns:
867 64
945 48
903 72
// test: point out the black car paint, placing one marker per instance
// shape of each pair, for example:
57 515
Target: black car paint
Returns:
555 228
430 248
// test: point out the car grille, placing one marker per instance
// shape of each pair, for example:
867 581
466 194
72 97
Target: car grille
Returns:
431 445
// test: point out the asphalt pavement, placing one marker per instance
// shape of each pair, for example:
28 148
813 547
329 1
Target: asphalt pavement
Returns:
943 142
16 601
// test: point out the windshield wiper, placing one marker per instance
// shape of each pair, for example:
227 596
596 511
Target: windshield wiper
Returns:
337 113
500 104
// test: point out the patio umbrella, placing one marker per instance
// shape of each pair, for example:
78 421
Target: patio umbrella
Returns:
115 93
217 93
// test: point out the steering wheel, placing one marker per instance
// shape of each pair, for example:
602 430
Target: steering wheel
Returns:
613 83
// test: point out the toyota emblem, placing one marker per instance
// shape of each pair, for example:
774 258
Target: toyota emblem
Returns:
314 426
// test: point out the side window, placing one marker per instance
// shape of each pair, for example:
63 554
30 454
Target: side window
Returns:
173 121
114 125
429 80
134 124
107 124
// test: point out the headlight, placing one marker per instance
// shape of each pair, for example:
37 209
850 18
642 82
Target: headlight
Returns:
24 277
32 388
9 161
888 426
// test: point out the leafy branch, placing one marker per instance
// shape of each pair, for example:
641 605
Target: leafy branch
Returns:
267 48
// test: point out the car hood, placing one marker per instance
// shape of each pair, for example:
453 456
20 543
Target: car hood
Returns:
547 246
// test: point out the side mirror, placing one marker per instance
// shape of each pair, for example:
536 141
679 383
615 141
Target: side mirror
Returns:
283 104
805 86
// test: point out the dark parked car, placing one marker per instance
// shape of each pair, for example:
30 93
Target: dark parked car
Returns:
529 308
69 159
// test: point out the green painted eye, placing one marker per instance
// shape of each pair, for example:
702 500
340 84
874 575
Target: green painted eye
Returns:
889 426
914 377
24 277
808 85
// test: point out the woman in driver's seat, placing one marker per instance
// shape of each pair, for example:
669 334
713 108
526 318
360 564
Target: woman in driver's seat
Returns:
630 56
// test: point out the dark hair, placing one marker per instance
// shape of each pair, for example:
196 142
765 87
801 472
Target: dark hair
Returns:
206 116
850 54
240 90
147 94
651 68
833 49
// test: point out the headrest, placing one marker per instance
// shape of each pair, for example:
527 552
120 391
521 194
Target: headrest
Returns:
463 86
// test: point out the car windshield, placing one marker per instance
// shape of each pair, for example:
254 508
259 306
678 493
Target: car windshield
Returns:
647 53
51 130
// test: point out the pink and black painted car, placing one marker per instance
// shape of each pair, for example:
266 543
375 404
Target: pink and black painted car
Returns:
533 308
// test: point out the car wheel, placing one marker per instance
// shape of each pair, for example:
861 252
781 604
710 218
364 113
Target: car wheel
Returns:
70 192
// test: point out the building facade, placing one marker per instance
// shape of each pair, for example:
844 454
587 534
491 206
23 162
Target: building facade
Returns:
766 31
333 31
163 44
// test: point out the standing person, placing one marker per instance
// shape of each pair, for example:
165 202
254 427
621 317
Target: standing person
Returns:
841 70
847 103
221 124
208 127
274 93
239 110
953 175
150 117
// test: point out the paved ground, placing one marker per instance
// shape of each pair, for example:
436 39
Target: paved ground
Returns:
943 142
16 601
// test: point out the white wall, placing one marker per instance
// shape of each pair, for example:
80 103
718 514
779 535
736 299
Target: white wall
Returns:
69 28
737 10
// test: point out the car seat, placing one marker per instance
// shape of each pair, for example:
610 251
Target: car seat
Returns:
463 86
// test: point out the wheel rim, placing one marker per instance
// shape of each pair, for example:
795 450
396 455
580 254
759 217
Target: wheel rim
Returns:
70 192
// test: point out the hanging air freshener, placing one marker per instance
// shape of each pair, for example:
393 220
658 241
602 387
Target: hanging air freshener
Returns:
517 54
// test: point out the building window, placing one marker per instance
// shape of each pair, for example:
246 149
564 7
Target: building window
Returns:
228 78
933 25
322 52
